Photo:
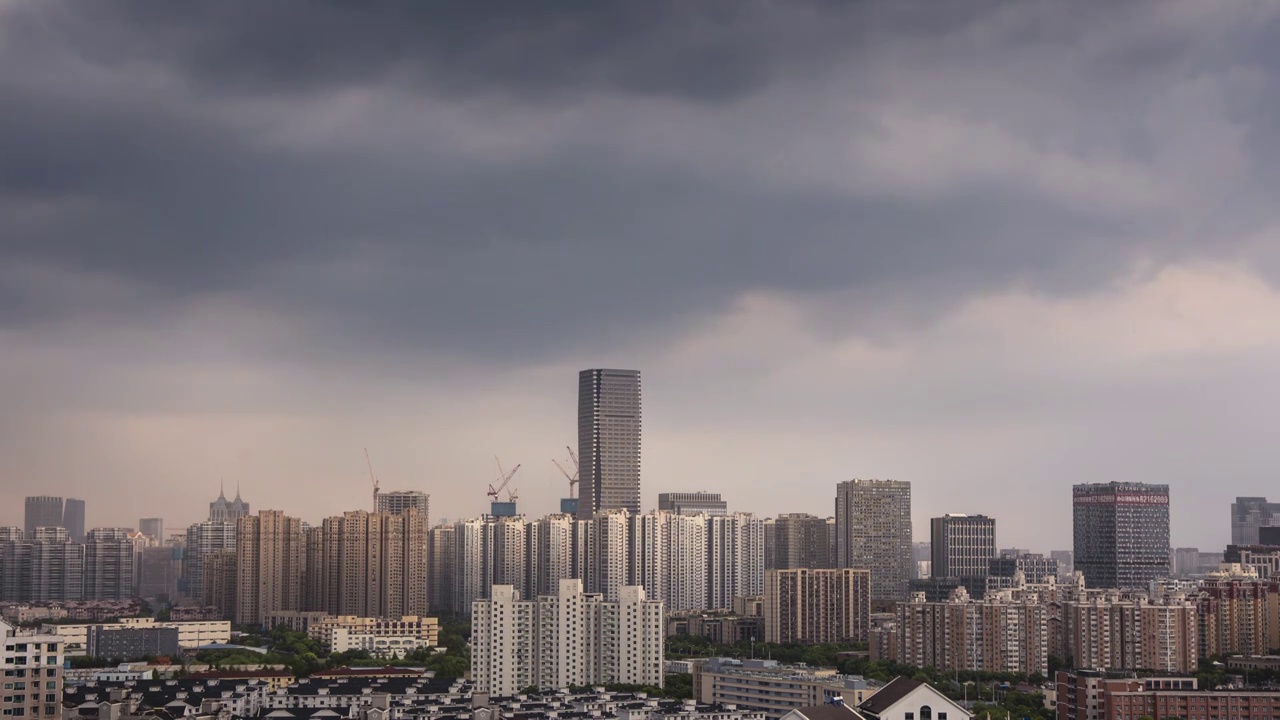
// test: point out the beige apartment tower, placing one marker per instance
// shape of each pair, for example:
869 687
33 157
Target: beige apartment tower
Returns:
270 565
817 605
369 564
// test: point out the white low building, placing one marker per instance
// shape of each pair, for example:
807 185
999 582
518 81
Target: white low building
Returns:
379 646
191 634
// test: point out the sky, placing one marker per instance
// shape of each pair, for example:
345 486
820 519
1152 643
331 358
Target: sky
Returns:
991 248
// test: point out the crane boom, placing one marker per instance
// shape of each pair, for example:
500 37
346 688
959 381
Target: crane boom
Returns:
372 479
504 478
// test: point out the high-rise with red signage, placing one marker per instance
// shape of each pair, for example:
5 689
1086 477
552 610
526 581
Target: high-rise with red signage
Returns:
1121 533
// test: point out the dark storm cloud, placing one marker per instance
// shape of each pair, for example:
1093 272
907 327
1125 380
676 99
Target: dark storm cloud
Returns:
133 146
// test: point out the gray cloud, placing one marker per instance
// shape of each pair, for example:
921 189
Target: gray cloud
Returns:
330 192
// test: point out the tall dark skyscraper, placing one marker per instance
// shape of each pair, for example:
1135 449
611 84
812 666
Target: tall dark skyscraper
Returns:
873 532
1121 534
73 519
42 511
608 441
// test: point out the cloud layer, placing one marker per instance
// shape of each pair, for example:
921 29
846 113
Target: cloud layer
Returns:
992 248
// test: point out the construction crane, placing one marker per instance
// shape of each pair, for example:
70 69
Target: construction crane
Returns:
372 479
573 479
504 479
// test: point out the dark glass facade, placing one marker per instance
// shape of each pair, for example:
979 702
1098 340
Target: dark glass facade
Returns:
1121 533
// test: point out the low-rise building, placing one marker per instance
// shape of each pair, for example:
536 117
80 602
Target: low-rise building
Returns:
131 643
907 699
1092 695
191 634
772 688
424 630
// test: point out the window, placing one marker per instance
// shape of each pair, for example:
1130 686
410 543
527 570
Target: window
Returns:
926 712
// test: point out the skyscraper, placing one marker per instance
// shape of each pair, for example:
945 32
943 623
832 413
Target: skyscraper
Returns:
1248 514
962 545
73 519
1121 533
873 532
153 527
42 511
608 441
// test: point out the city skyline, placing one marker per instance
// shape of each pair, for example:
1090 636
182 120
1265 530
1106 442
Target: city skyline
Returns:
179 527
992 249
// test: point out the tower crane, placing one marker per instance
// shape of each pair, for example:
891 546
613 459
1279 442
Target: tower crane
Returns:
504 479
372 479
573 479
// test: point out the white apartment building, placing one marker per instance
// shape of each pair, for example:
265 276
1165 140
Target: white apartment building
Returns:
610 555
686 571
649 546
735 557
32 668
379 646
567 639
191 634
471 564
507 552
550 553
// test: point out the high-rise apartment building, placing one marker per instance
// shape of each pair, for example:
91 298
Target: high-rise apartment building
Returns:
992 635
153 573
471 564
801 540
648 543
399 501
270 565
693 503
218 582
152 528
42 567
203 540
1131 634
817 606
73 519
1239 613
42 511
685 573
1248 514
32 667
873 532
735 558
962 546
564 640
368 564
1121 533
108 564
224 510
608 441
507 538
442 548
550 553
610 566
